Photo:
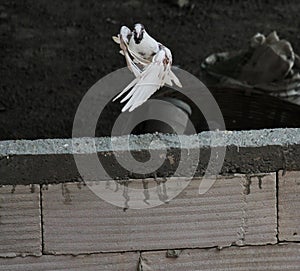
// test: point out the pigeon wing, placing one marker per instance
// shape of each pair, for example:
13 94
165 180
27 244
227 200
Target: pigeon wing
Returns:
150 80
131 65
138 59
126 34
123 39
170 76
174 78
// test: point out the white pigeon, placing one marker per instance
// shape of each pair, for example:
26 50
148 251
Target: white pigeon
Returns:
150 62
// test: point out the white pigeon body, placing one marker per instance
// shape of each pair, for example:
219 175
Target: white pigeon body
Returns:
146 49
154 70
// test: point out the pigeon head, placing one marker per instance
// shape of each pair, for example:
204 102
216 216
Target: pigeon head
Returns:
138 33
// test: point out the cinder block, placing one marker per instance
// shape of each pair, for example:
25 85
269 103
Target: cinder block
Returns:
235 210
263 258
289 206
20 220
104 262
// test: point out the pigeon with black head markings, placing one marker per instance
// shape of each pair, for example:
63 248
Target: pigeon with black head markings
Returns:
150 62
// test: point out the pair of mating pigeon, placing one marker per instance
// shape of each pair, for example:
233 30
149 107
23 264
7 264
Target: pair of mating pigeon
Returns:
150 62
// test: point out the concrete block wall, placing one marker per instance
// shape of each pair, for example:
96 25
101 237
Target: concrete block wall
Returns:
50 220
237 224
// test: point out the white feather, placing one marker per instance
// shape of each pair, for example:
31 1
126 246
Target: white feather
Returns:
138 58
174 78
125 32
126 89
116 39
149 82
131 65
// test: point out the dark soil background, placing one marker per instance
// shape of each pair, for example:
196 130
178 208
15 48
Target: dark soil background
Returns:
52 52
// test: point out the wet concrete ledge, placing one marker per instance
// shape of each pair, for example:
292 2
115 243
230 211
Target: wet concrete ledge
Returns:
52 161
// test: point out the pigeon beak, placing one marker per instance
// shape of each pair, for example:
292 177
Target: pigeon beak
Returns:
138 36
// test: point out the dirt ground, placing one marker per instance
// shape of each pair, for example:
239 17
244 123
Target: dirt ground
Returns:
52 52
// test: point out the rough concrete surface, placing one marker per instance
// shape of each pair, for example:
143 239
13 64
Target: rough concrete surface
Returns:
264 258
51 160
236 210
289 206
20 221
252 138
104 262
